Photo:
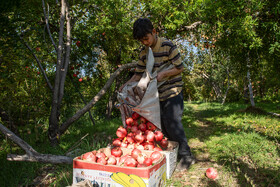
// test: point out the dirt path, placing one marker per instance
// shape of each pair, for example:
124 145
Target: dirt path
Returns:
195 176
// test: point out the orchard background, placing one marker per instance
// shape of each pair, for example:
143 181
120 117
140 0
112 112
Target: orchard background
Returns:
62 62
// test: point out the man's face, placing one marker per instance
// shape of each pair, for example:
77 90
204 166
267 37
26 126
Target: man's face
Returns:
149 40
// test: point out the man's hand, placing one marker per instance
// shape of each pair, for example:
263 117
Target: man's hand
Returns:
160 76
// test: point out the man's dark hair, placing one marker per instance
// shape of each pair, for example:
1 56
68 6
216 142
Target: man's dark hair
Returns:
141 28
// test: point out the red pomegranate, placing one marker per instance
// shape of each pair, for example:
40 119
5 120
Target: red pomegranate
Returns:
143 120
121 132
116 151
158 135
130 162
135 152
155 156
112 160
89 156
142 127
141 157
148 161
151 126
211 173
129 121
164 143
150 136
117 142
139 138
135 115
100 154
102 160
157 149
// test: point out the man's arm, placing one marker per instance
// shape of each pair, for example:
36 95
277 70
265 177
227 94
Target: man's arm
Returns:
168 73
134 78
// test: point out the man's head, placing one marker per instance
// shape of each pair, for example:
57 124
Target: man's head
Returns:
144 31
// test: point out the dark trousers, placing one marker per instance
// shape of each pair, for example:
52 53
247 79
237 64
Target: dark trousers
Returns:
171 111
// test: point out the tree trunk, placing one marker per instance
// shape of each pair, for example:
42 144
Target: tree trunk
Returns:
251 94
228 85
250 89
112 100
215 86
225 96
54 116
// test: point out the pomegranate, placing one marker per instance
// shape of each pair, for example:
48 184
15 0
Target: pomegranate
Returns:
148 161
141 157
124 144
151 126
134 128
121 132
89 156
130 162
155 156
139 138
143 120
211 173
130 134
150 136
78 43
135 123
128 128
129 121
117 142
116 151
164 143
135 152
130 139
157 149
122 159
135 115
158 135
100 155
102 160
112 160
149 146
142 127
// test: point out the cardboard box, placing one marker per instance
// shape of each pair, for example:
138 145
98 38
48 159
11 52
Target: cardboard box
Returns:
171 157
117 176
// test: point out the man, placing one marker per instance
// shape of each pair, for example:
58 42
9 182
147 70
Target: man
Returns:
166 54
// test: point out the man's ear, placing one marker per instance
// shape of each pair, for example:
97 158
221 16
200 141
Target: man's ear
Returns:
154 31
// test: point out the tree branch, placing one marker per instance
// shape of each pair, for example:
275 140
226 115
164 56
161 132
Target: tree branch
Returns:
47 24
38 62
32 155
192 26
81 112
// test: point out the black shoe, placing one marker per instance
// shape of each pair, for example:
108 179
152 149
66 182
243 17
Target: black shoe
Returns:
185 162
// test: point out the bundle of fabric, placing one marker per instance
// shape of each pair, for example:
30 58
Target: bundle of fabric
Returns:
142 97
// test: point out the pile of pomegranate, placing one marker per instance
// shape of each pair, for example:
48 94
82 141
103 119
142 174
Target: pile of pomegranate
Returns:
141 134
136 158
